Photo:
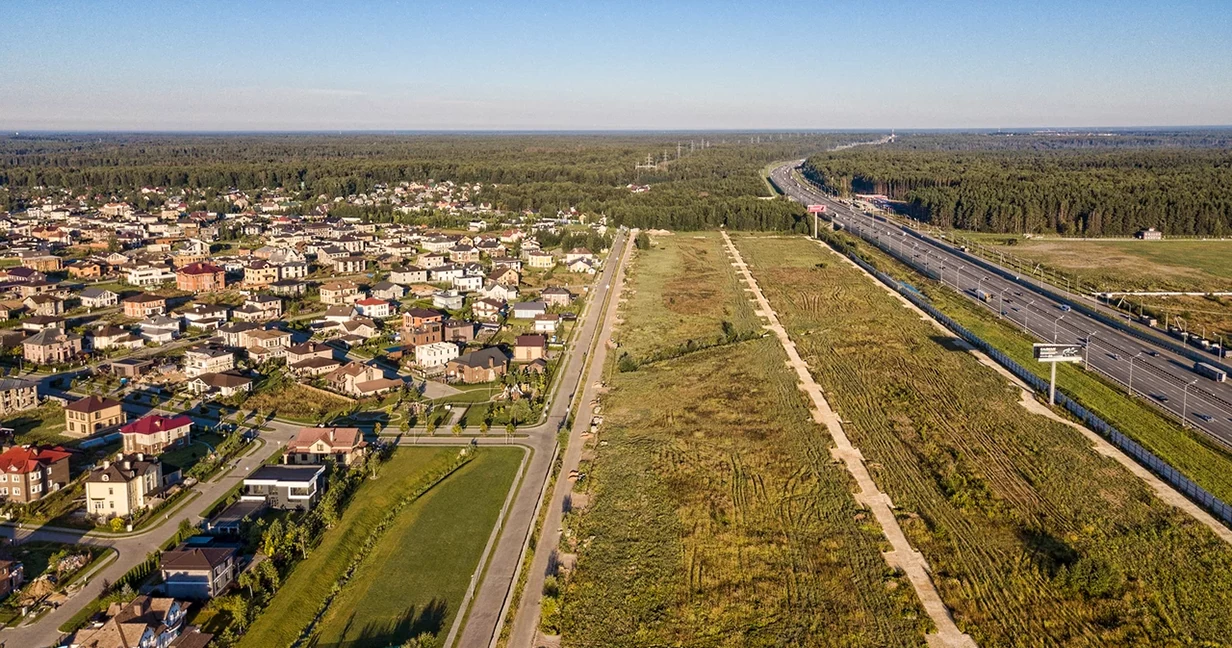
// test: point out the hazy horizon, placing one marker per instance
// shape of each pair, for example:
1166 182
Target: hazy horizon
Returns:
544 66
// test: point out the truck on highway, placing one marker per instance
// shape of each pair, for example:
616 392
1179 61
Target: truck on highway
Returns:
1208 371
983 295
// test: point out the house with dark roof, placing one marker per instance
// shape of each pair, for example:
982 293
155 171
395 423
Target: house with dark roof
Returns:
145 622
224 384
51 346
197 573
123 486
92 414
484 365
17 394
285 487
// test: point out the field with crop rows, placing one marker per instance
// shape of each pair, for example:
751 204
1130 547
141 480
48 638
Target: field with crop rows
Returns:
717 516
1033 538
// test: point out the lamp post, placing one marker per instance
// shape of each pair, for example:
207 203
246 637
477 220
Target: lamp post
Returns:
1086 357
1055 324
1185 403
1026 318
1131 372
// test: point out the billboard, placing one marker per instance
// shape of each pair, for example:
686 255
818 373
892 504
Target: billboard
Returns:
817 209
1058 352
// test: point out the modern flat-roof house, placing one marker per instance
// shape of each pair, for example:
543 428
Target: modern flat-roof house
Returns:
317 445
198 573
435 354
123 486
29 473
92 414
285 487
154 433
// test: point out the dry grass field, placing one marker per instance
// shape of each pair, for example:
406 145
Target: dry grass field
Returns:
1033 538
716 515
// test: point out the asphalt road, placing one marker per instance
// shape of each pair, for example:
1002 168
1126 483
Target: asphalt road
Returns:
1162 378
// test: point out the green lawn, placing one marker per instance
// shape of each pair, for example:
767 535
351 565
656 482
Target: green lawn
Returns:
41 425
414 580
301 595
188 456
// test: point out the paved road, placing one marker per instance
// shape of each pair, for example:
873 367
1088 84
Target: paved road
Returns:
1161 377
488 609
133 549
526 618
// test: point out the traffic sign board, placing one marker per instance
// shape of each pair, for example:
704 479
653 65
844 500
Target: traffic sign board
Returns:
817 209
1058 352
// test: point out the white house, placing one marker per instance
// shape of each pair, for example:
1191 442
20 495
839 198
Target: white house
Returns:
436 354
374 308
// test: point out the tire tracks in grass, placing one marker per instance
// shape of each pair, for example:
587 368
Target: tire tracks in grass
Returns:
903 556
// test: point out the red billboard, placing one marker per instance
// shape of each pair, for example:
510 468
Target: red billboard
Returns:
817 209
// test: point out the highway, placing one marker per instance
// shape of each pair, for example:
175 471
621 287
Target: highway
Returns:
1162 378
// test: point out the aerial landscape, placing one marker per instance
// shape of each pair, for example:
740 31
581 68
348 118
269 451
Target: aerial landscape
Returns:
483 325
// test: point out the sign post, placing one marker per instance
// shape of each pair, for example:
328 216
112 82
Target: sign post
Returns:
1052 354
814 210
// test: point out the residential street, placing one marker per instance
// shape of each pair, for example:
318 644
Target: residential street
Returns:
133 549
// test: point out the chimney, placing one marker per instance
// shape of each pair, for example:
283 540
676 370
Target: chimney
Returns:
140 456
106 464
128 465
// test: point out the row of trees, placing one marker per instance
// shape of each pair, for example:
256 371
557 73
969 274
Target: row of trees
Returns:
1184 191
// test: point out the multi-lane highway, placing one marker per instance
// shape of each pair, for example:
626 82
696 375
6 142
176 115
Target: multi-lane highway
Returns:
1163 378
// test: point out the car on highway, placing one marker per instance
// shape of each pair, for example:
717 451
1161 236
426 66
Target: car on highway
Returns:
1205 417
1065 308
1163 398
1151 353
1115 356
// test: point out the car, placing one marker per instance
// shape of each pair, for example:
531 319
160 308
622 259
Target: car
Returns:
1205 417
1065 308
1154 354
1163 398
1115 356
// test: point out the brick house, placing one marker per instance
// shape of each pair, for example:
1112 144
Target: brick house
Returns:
200 277
145 305
480 366
29 473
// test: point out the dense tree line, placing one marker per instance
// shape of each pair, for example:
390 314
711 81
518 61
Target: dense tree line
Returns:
1110 191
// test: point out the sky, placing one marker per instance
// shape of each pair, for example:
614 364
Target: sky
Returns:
593 65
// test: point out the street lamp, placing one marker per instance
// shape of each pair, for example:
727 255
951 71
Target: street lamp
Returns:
1185 403
1055 324
1026 318
1131 372
1086 358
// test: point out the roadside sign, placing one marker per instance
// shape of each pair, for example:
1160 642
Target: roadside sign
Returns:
817 209
1058 352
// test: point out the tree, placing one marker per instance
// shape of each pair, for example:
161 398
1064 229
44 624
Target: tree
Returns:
642 241
483 428
456 429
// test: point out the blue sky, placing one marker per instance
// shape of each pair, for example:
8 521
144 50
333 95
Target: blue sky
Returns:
384 64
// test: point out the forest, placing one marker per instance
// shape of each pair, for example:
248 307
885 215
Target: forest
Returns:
1088 185
699 180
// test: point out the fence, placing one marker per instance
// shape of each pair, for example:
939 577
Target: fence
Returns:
1127 445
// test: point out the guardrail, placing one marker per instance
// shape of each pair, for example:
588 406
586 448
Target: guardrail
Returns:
1077 305
1127 445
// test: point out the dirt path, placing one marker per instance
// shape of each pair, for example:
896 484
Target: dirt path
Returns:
1098 443
903 556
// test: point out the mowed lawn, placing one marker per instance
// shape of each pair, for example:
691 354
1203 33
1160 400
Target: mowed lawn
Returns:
299 598
716 515
1184 265
414 580
1033 537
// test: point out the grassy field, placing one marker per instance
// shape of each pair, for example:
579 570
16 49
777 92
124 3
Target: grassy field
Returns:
1033 538
296 402
43 425
717 516
301 595
1131 265
414 580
